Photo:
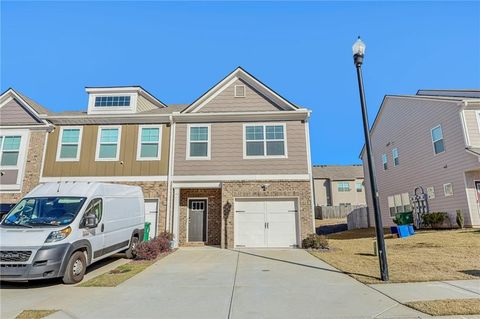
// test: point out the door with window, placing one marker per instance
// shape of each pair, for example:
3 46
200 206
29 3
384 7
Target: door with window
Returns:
197 220
95 235
265 222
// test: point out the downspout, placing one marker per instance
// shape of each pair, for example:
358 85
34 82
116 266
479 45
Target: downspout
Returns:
171 149
309 163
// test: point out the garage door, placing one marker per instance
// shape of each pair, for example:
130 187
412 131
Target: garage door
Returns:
151 213
265 223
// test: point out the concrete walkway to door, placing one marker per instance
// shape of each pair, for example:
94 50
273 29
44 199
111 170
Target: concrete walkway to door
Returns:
214 283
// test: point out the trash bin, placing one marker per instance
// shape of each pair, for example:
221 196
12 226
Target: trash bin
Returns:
405 218
146 231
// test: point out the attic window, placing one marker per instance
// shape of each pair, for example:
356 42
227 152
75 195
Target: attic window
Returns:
112 101
239 90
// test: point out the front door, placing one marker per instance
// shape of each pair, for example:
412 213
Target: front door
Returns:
197 220
151 209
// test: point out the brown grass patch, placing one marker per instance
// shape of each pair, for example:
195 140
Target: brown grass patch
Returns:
34 314
447 307
328 222
426 256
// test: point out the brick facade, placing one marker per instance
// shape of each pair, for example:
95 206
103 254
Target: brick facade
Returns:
33 166
300 190
213 213
155 190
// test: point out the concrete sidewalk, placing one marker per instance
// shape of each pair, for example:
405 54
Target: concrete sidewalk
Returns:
432 290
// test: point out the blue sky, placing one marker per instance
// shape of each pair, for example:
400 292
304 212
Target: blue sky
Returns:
51 50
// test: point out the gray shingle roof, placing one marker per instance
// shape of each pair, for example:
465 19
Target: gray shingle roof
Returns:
337 172
37 107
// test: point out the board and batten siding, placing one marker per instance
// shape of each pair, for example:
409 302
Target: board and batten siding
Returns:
227 153
405 124
12 113
87 166
226 101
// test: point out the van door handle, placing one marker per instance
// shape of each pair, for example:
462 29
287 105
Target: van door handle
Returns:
102 228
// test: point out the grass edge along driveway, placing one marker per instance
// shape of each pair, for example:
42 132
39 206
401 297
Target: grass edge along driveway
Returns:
426 256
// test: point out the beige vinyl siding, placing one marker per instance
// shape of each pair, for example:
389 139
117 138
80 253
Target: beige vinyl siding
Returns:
470 178
353 197
227 153
405 124
144 105
322 191
226 101
87 166
472 127
12 113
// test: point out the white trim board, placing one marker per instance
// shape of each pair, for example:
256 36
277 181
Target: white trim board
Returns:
226 178
161 178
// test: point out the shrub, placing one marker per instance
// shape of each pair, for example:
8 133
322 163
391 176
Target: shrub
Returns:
434 219
314 241
150 249
460 221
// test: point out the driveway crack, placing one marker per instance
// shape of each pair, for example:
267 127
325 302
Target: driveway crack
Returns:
233 287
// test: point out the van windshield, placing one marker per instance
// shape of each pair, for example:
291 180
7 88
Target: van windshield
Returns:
44 211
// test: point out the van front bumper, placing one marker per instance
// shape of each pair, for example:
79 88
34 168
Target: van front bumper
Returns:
47 263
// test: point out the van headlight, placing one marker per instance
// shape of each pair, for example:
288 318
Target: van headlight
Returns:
58 235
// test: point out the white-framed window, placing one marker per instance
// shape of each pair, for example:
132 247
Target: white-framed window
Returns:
112 101
395 157
10 150
108 143
385 162
431 192
240 91
448 189
399 203
149 146
69 143
264 141
343 186
437 140
359 186
13 153
198 141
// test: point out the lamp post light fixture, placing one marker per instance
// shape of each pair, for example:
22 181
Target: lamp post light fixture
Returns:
358 55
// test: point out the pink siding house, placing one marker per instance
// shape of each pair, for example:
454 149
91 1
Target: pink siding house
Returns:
430 140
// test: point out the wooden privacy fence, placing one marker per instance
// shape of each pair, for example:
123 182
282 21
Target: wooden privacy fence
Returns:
327 212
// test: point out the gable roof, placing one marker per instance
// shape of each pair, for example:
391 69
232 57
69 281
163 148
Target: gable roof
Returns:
455 96
240 73
337 172
37 111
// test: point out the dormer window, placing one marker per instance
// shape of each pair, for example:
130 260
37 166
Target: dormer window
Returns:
112 101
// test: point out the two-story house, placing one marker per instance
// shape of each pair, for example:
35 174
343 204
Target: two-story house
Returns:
338 185
430 142
231 169
23 132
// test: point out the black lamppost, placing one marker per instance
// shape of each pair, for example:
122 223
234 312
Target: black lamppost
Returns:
358 54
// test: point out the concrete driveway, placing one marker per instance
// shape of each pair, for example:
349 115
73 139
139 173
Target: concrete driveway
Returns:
215 283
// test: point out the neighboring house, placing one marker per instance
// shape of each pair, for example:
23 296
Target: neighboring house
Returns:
429 140
338 185
23 131
232 168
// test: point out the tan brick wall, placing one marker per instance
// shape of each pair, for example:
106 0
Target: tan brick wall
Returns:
213 214
32 167
300 189
155 190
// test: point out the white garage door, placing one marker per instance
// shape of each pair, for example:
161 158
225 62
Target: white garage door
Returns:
265 223
151 213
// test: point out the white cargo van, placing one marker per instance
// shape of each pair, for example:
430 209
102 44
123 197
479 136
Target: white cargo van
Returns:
58 229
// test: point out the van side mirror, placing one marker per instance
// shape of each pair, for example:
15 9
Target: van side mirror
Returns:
91 221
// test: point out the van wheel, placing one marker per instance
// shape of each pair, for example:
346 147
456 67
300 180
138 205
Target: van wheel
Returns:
131 252
77 264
